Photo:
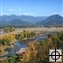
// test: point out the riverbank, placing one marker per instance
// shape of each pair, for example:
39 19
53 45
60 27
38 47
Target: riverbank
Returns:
20 46
33 39
3 48
36 38
37 29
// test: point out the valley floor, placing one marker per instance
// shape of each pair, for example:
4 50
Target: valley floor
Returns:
37 29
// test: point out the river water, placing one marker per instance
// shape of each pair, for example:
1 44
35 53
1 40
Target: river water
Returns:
18 46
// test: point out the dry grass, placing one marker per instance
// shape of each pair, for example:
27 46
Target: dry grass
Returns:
43 29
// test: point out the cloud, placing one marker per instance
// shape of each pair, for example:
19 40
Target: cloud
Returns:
29 13
55 13
19 9
25 13
11 10
2 13
61 13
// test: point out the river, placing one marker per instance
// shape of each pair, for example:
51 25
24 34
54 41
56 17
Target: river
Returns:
19 46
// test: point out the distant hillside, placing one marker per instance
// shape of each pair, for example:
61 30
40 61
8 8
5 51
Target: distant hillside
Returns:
17 22
14 20
31 19
52 20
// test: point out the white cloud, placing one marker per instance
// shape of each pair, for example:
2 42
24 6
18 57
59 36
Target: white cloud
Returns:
1 13
55 13
25 13
61 13
11 10
32 13
19 9
29 13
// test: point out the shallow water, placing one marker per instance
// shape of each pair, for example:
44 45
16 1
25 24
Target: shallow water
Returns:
18 46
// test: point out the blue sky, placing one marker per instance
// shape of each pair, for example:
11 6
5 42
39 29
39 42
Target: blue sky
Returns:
31 7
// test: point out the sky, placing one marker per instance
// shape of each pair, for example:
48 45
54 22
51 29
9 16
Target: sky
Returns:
31 7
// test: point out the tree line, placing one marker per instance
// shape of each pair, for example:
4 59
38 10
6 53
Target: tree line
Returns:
9 29
25 34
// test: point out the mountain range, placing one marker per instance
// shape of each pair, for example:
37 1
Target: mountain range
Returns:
14 20
52 20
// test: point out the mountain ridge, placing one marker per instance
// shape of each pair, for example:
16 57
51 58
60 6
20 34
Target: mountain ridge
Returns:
52 20
31 19
14 20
